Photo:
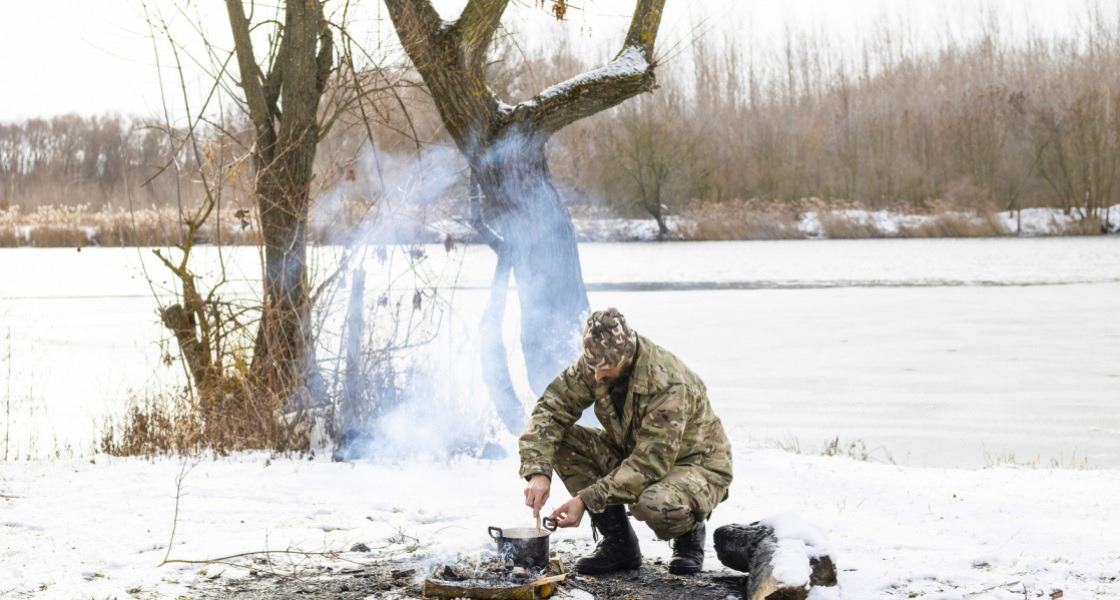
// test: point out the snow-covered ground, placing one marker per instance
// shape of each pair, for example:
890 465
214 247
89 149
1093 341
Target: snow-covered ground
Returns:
100 528
1028 222
937 354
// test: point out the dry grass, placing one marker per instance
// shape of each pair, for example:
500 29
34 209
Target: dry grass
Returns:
740 220
9 238
956 225
842 226
76 226
152 427
1087 226
226 420
58 236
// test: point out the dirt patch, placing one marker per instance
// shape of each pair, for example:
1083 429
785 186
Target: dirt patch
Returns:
400 578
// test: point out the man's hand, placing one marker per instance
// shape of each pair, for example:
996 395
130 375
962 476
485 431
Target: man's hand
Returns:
570 513
536 493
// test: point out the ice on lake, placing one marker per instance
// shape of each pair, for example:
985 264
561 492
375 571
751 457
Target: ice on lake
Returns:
927 352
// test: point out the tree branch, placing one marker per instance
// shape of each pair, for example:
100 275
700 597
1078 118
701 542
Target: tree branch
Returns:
629 74
644 26
416 23
250 72
477 24
325 60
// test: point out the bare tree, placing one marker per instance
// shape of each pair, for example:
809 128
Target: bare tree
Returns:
520 212
283 156
651 150
281 99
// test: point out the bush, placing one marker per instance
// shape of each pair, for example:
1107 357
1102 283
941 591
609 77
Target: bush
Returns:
152 427
740 220
61 236
956 225
10 238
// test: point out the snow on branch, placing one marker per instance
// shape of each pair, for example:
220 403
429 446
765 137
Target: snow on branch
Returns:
629 74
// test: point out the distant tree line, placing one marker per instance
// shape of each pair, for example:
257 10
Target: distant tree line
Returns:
986 124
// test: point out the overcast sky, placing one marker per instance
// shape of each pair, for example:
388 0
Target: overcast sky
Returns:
97 56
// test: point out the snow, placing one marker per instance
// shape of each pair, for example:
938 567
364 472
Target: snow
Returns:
943 356
1047 221
1029 222
101 527
790 526
630 62
798 541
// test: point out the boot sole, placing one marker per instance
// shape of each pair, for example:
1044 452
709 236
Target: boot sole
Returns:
674 570
628 565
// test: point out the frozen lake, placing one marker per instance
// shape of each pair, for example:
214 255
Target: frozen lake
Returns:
930 352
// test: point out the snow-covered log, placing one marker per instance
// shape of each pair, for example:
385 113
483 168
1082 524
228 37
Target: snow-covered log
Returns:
784 556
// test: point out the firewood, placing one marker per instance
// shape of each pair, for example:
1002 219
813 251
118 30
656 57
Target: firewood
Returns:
752 549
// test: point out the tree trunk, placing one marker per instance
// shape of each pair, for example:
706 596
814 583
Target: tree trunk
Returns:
523 215
540 243
283 155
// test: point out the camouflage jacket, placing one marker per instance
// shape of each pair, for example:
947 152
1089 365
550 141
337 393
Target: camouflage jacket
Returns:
666 421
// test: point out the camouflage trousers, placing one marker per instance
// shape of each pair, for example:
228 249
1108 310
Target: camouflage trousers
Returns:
670 507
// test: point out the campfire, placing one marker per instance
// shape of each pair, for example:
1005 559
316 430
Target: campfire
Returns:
496 578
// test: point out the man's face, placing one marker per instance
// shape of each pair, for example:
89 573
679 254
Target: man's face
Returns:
609 376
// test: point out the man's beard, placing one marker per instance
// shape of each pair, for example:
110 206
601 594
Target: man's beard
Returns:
623 379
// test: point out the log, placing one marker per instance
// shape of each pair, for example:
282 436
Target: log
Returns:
538 588
754 549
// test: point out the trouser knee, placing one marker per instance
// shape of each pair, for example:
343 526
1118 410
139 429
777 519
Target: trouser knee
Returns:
666 511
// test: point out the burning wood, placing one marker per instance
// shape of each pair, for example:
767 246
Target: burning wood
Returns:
494 579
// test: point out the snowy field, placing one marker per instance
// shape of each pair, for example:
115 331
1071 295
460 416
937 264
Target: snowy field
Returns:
967 370
75 529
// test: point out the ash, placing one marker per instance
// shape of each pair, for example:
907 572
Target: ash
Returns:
488 572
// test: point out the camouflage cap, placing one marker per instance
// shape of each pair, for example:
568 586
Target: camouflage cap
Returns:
607 340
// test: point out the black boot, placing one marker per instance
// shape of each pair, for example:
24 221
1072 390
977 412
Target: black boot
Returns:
618 550
688 552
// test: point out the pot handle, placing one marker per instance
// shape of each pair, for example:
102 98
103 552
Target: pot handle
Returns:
549 524
492 529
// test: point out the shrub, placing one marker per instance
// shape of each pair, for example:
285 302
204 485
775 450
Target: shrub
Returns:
10 238
152 427
956 225
740 220
62 236
845 225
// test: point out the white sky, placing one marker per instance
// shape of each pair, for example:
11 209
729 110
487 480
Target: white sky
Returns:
96 56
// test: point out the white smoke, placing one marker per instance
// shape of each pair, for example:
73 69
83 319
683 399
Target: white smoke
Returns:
439 407
394 198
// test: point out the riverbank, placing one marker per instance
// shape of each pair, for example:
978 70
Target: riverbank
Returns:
81 226
164 528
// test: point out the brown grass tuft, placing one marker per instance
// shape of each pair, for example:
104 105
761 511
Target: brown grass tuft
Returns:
154 427
840 226
740 220
9 238
62 236
956 225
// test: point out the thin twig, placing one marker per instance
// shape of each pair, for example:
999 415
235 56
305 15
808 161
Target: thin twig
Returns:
995 587
333 554
183 472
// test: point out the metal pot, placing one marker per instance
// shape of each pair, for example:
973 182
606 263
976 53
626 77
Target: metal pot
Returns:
525 546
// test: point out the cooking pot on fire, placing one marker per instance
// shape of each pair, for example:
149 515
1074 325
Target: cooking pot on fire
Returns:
525 546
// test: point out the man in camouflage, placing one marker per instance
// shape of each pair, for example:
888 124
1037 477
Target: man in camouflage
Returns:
661 450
